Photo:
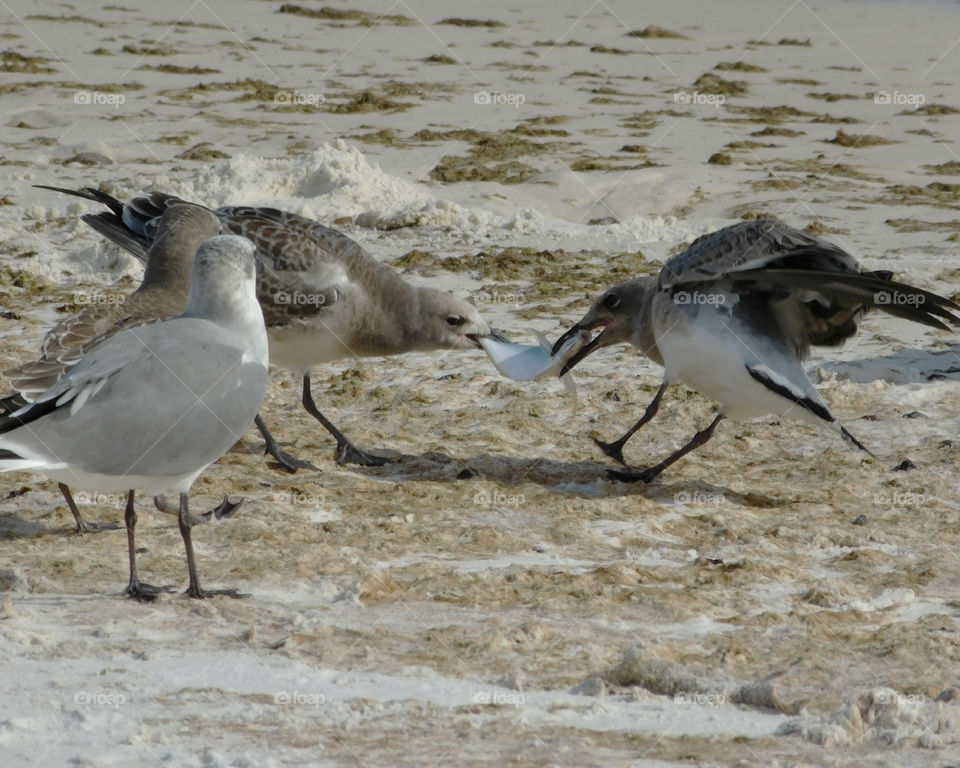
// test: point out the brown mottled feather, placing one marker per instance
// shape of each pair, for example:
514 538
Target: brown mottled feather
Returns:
162 294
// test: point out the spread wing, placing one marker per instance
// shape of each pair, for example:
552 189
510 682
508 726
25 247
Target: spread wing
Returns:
814 290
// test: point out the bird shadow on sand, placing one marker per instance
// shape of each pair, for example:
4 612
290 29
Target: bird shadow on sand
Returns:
13 526
905 366
585 479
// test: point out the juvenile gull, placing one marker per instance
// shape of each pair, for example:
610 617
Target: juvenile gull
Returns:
151 407
162 294
324 298
736 313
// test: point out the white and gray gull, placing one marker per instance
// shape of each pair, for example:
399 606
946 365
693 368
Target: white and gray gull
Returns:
162 294
151 407
735 314
324 298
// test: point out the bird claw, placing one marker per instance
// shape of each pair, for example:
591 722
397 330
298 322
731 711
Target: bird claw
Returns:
632 475
145 593
290 463
199 593
614 450
225 508
347 453
85 526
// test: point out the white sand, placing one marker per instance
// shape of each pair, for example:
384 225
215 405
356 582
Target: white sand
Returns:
404 616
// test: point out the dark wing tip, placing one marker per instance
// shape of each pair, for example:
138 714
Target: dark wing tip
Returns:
817 409
88 193
27 415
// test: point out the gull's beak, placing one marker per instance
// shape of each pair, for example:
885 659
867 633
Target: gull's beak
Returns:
586 349
493 333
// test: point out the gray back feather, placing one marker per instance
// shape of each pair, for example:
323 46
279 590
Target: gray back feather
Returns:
753 245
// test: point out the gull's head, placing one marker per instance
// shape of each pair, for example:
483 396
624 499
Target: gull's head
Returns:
223 283
224 257
448 321
620 314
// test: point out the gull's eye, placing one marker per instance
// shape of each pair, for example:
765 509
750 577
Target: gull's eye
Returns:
455 321
612 301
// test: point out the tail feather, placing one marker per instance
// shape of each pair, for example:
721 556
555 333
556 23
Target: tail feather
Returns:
112 227
140 210
874 290
11 461
130 225
88 193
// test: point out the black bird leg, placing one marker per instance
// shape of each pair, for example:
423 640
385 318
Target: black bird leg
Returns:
615 449
647 475
288 462
347 452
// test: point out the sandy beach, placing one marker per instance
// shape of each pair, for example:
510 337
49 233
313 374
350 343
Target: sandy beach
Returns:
774 599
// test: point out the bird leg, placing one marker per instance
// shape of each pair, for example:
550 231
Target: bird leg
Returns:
347 452
82 525
186 522
137 589
647 475
615 449
288 462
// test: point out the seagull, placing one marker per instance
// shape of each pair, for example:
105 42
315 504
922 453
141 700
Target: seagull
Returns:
735 314
162 294
151 407
324 298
